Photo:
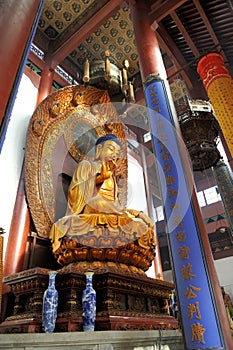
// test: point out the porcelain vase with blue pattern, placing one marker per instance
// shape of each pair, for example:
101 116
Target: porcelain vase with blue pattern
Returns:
50 302
89 304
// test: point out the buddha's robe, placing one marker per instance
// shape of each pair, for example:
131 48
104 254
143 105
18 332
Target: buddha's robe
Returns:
93 203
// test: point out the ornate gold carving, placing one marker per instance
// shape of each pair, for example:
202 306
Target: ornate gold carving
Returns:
55 109
90 250
50 121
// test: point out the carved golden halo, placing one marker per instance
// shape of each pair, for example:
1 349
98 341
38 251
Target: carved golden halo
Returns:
59 115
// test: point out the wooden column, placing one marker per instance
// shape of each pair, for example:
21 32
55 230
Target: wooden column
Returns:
202 311
19 230
17 240
46 82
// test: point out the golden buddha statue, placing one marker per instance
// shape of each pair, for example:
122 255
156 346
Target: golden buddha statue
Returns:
96 219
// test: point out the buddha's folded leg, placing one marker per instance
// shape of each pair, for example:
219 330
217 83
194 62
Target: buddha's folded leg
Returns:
100 205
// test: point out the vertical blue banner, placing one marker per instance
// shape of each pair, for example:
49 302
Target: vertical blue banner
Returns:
197 306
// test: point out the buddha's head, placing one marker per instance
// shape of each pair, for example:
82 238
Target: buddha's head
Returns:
108 147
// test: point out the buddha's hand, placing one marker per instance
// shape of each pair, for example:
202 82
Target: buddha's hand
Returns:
110 165
107 169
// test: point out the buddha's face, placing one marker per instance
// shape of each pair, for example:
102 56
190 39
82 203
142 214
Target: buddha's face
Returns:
108 151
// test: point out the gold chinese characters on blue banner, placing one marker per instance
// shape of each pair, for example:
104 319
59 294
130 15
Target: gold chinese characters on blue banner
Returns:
198 317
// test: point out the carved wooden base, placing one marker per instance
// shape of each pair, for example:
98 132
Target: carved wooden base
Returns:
135 323
125 301
26 325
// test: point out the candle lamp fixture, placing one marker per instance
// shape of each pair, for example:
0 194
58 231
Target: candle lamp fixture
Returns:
131 92
86 75
107 66
105 75
125 76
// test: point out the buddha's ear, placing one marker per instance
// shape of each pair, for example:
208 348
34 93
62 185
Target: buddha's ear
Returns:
98 151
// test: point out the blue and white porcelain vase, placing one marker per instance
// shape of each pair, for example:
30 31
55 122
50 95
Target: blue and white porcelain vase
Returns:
50 302
89 304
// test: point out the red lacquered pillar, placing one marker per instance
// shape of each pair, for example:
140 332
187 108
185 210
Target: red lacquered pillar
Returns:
202 312
17 240
19 230
46 82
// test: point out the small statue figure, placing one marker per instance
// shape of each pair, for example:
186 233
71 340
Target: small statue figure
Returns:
93 202
228 305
